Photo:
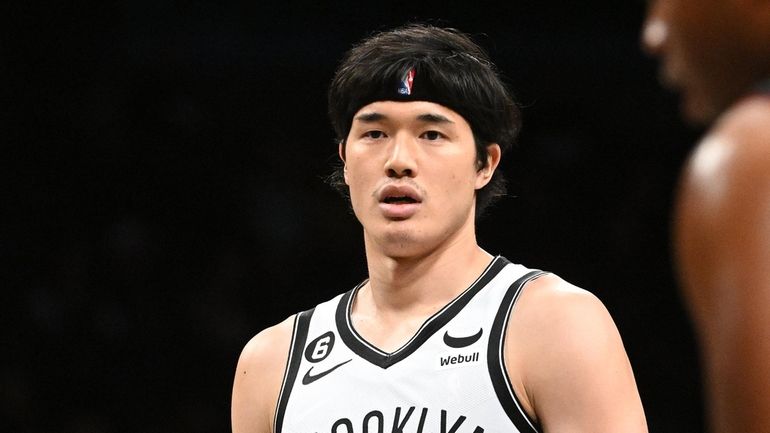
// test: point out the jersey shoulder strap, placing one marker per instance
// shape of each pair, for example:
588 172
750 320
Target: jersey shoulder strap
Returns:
496 359
298 340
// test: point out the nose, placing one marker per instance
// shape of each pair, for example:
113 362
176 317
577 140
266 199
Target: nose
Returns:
401 160
654 35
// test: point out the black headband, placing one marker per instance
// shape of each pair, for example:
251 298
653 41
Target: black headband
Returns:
411 84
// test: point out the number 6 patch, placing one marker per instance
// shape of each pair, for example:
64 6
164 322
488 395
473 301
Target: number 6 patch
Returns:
320 348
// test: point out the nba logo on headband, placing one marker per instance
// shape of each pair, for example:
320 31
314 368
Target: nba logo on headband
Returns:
405 87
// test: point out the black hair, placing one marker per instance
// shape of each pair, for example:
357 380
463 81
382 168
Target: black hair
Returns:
449 69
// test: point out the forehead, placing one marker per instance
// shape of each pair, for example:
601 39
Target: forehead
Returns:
408 111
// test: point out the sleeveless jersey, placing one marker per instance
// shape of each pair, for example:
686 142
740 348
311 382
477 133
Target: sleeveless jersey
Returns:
448 378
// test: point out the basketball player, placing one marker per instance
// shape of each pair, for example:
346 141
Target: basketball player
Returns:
717 53
442 337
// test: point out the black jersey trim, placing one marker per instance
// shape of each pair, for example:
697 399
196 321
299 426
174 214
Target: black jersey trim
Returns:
496 359
298 340
383 359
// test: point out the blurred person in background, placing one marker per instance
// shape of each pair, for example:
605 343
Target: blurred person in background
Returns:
716 53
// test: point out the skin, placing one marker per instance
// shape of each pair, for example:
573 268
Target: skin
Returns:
710 51
562 351
723 246
714 51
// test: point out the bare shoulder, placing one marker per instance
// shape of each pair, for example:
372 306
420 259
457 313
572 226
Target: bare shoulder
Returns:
745 131
258 378
561 312
747 121
556 323
568 360
722 232
723 208
261 350
736 152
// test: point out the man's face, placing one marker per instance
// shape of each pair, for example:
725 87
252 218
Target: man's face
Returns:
700 48
412 172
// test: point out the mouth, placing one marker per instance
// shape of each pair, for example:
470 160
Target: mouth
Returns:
399 202
399 194
404 199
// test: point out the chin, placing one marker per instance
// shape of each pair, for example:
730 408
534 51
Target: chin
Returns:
401 244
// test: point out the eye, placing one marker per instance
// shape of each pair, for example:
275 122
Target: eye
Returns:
432 135
374 134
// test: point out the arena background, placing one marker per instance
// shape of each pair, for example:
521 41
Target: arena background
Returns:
163 197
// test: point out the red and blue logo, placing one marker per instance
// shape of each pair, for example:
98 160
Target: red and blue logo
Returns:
405 88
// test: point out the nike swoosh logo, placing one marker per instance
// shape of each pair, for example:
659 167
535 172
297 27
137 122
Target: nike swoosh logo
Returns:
458 342
308 378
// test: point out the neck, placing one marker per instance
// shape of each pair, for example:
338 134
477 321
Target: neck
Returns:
423 283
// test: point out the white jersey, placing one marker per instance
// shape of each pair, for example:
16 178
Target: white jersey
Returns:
448 378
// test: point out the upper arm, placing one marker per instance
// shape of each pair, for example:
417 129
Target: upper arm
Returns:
723 249
567 355
258 379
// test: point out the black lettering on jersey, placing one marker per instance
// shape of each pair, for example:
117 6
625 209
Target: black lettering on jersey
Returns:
398 425
380 419
320 348
455 426
343 421
423 415
458 359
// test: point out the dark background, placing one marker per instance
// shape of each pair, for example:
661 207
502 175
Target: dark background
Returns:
163 198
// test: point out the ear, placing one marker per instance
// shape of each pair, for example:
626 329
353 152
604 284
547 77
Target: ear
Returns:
484 175
341 153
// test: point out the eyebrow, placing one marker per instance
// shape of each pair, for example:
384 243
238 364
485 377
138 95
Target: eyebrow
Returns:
427 118
433 118
370 117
